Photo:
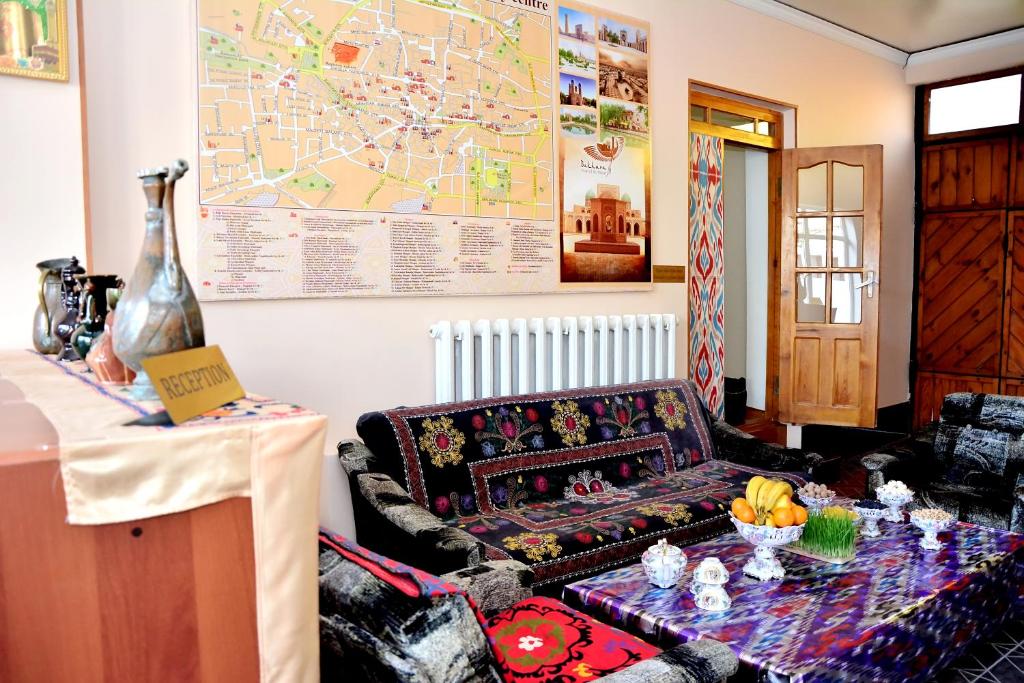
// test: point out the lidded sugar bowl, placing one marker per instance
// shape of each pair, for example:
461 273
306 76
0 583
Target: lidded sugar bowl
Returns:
663 564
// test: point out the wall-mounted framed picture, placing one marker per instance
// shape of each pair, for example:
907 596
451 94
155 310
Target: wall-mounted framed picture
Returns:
34 39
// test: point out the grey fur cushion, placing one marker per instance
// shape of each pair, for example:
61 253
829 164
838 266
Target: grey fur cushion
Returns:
985 411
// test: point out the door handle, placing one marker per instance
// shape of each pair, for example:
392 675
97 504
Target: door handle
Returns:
870 283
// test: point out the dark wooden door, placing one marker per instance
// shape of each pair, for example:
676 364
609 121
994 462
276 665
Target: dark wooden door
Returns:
960 303
1017 180
966 175
1013 332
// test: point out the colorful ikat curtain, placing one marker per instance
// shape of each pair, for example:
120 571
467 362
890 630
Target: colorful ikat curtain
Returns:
707 270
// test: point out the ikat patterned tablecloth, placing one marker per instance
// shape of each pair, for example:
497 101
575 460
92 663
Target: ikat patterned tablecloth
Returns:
894 613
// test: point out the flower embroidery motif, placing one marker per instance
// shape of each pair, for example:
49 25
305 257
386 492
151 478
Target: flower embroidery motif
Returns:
534 546
441 441
670 409
621 415
530 643
508 428
570 423
673 514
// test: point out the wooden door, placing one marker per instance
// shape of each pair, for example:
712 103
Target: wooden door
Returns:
828 333
1013 313
965 175
1017 180
960 293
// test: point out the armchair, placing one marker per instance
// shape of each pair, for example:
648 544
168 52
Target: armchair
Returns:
384 621
970 463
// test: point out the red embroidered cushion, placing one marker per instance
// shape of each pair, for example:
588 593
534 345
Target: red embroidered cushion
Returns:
541 639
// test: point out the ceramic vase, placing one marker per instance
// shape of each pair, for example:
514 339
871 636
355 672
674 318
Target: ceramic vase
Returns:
92 310
66 322
158 312
49 308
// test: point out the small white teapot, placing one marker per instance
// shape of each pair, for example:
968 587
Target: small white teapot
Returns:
663 564
708 587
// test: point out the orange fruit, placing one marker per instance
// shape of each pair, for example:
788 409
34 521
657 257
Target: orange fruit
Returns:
783 517
799 514
742 511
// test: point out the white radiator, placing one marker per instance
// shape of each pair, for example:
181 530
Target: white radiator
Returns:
506 357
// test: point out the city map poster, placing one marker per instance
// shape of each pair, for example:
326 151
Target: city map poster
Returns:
604 147
378 147
407 147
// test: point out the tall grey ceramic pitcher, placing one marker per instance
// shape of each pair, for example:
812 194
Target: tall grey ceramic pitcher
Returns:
158 312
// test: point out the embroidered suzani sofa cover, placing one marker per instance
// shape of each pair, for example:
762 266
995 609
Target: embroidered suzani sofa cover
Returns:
573 482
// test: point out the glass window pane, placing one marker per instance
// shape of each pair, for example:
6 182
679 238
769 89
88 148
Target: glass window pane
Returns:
810 242
982 104
812 188
730 120
846 297
698 113
810 297
847 187
847 246
765 128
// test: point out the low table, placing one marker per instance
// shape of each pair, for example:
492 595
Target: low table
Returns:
896 612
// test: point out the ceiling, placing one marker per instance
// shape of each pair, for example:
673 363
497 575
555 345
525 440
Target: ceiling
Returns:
915 25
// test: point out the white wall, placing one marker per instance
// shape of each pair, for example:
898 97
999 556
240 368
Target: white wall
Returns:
42 214
756 224
346 356
734 192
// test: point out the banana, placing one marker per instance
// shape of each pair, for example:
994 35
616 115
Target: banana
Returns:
753 485
770 494
789 489
783 501
764 494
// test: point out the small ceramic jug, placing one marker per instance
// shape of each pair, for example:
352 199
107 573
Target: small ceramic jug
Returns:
708 587
663 564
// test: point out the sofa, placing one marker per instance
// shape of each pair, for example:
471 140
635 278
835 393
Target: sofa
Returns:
969 463
384 621
570 483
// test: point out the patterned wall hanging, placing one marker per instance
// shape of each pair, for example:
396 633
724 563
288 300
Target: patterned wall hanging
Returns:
707 270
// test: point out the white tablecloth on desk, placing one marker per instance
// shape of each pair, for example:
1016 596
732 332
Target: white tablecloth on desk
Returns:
258 448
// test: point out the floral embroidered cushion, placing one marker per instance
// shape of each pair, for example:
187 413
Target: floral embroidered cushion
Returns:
565 537
431 450
541 639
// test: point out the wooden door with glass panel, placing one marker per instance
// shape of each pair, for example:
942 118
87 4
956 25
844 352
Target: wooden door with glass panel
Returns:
828 337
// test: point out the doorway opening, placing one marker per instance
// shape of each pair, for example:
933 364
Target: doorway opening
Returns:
753 131
745 192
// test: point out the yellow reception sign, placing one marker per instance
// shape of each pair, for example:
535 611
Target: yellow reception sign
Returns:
192 382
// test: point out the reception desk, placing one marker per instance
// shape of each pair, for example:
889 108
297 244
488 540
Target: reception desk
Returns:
153 554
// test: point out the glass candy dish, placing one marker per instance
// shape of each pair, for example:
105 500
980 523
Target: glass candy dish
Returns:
894 498
870 516
931 521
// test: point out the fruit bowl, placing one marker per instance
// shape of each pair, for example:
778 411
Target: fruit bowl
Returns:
764 566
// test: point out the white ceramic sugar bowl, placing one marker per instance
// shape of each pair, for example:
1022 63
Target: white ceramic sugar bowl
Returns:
663 564
708 587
